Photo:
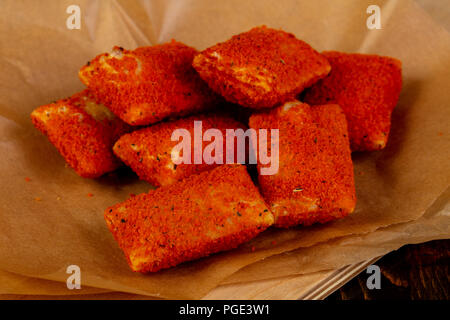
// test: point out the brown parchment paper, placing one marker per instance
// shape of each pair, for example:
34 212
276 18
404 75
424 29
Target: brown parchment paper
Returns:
39 61
290 287
283 276
12 283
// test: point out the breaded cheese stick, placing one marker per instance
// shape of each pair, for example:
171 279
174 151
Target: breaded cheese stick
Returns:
213 211
83 131
261 68
367 87
148 84
315 178
149 151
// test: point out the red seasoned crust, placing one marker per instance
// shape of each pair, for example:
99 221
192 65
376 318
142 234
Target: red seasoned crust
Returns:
206 213
148 84
261 68
367 87
315 178
83 131
148 151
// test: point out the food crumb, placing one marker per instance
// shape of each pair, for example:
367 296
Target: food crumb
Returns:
274 242
37 199
253 248
440 133
90 195
27 179
58 198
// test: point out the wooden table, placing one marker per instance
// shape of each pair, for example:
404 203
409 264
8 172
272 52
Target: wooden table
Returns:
418 272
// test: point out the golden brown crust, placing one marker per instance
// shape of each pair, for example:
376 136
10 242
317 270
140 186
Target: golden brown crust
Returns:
315 178
261 68
213 211
148 151
83 132
367 87
148 84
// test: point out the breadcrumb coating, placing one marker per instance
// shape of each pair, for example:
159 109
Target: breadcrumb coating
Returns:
148 84
148 151
367 87
261 68
213 211
315 178
83 132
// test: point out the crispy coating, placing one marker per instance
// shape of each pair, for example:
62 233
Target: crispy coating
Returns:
315 178
367 87
149 151
261 68
213 211
148 84
83 132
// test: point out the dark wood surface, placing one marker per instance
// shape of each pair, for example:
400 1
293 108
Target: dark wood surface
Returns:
417 272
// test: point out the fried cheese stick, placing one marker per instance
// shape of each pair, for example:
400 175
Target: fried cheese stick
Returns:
83 131
261 68
149 151
315 178
213 211
367 88
148 84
